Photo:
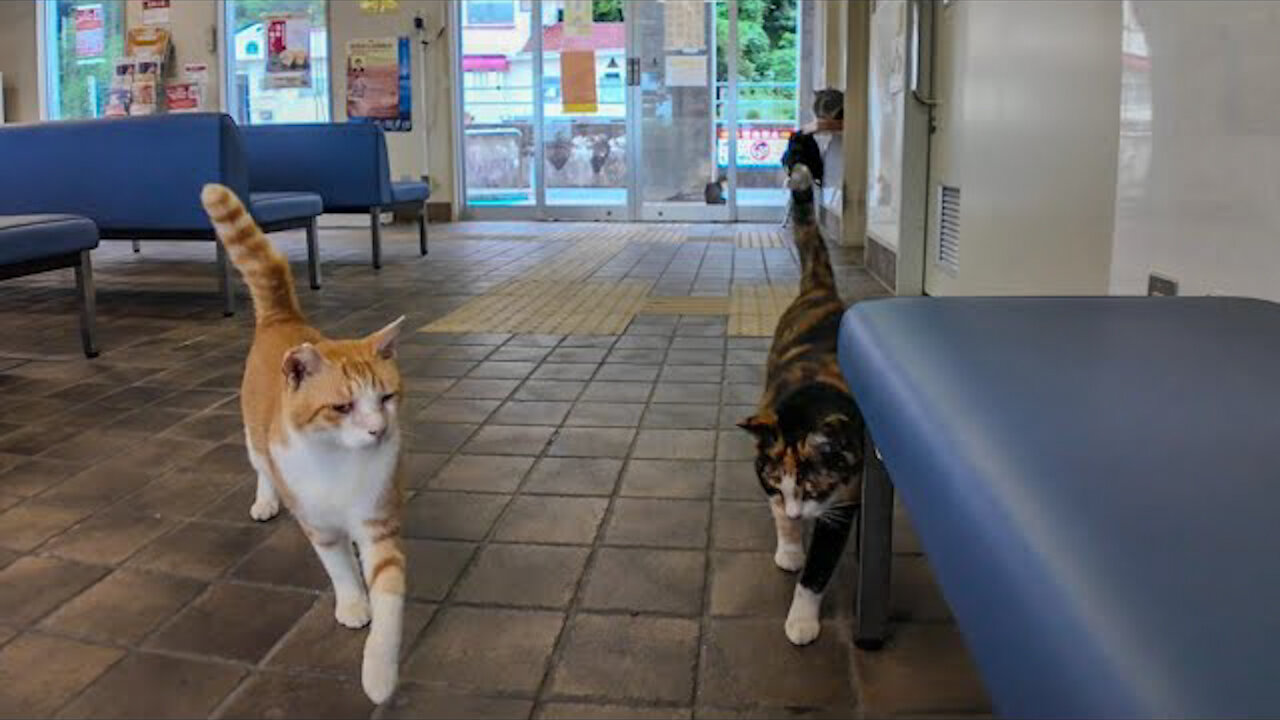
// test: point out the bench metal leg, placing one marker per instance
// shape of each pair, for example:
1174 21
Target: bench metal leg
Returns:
875 553
313 255
88 305
137 246
422 232
227 287
375 227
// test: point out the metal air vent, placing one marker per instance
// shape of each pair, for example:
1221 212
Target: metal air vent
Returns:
949 228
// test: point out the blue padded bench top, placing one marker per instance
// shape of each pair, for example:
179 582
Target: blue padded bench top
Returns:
272 207
34 237
407 191
1096 482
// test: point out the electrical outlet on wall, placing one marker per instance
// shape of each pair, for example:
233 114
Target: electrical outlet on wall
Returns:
1161 285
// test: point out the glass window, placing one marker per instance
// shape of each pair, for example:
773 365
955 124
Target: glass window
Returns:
491 12
279 61
83 41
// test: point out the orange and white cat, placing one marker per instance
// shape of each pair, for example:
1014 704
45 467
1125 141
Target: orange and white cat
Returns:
320 425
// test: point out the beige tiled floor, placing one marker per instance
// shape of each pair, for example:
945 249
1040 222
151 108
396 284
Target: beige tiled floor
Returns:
585 535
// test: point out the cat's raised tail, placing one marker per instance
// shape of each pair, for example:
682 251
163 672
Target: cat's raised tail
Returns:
264 269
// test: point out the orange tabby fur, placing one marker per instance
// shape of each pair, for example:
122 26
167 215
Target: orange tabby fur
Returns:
320 424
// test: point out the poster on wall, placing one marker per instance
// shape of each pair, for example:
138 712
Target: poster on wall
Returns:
155 12
288 51
756 147
685 25
577 18
90 36
578 81
379 88
686 71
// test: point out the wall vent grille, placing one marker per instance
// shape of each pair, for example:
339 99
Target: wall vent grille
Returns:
949 228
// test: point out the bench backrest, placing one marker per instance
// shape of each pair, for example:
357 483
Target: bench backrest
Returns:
133 173
346 164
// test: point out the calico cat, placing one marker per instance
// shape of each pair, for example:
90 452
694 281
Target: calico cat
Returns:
320 426
808 431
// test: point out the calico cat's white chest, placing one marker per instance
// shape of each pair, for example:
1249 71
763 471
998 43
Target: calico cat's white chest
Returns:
335 487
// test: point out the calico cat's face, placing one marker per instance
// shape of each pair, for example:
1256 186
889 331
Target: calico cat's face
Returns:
811 472
345 391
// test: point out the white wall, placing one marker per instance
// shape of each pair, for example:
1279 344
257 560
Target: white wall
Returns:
1199 191
1028 129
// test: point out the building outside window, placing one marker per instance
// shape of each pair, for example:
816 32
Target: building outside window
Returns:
490 12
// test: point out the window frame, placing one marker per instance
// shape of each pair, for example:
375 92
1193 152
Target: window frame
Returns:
228 95
49 94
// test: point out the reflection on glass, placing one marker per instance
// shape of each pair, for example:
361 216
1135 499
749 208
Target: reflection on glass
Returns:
1135 108
256 102
80 75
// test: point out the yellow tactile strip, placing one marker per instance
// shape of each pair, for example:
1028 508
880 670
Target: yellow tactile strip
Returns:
760 238
549 307
754 309
684 305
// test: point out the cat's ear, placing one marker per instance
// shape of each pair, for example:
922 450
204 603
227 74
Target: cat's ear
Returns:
764 427
837 428
384 341
300 363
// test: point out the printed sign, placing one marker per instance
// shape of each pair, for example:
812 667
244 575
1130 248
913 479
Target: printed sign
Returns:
90 36
183 97
155 12
756 147
196 72
379 88
288 51
577 18
578 81
686 71
684 25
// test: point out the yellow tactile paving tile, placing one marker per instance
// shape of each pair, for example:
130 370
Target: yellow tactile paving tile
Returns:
549 307
684 305
760 238
754 309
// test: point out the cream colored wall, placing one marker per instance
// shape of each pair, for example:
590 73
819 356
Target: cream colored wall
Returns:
193 24
1199 191
1027 128
347 21
19 61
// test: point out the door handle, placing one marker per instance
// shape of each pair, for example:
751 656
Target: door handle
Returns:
633 71
917 54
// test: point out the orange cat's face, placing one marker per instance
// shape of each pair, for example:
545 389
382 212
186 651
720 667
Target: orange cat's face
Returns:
345 391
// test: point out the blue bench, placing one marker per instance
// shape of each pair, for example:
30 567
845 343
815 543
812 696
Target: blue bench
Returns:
1095 483
140 178
346 164
32 244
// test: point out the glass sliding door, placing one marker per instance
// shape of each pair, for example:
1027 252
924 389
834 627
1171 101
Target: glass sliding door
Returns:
83 41
584 109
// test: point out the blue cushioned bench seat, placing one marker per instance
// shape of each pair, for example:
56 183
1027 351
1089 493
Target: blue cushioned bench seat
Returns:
346 164
1097 485
139 178
37 243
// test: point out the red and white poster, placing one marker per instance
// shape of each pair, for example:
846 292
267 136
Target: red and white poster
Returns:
155 12
288 51
90 36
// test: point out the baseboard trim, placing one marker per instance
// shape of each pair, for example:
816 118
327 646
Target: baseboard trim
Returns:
881 262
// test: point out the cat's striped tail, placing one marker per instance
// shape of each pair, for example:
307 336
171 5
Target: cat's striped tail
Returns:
264 269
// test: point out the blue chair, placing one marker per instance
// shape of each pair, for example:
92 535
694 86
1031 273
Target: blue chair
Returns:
32 244
139 178
346 164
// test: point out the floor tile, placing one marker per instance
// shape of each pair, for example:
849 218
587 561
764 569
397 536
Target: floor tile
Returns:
433 566
605 414
591 442
573 476
124 607
31 476
439 437
200 550
183 493
524 575
744 526
451 515
38 674
109 537
464 410
625 371
645 580
628 658
924 668
668 478
780 674
736 480
32 586
550 390
516 412
420 703
509 440
682 392
482 473
319 644
675 444
26 526
612 391
483 389
565 371
234 622
692 373
735 445
658 523
551 519
679 415
148 685
581 711
276 695
486 649
285 558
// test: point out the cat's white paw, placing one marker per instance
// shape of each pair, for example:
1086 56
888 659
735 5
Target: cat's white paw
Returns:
802 631
264 509
803 620
378 676
789 558
352 612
